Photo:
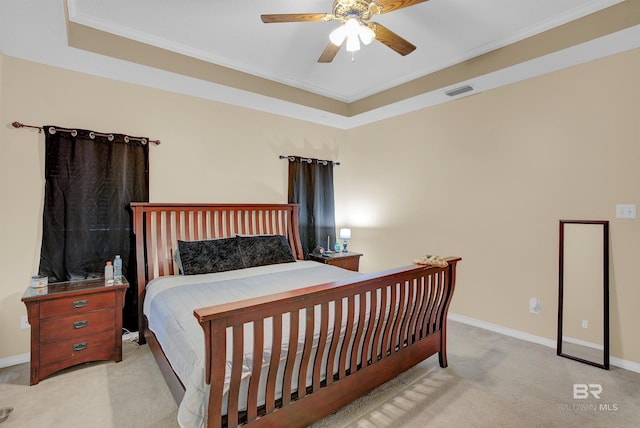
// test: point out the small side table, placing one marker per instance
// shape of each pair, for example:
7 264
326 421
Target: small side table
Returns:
345 260
72 323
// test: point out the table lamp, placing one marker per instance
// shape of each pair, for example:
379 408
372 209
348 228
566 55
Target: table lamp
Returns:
345 234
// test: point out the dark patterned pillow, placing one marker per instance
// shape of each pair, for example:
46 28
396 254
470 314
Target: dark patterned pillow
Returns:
207 256
261 250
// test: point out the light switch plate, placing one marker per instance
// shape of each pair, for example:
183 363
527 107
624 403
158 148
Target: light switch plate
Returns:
625 211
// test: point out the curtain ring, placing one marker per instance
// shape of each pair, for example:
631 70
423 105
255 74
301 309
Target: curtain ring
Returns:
92 135
53 130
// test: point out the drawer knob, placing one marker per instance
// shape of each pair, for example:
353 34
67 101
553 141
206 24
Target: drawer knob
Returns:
344 263
80 303
80 324
80 346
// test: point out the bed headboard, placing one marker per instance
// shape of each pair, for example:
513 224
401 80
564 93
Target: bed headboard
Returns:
159 226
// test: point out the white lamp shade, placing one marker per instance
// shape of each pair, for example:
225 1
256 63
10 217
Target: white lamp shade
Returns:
338 35
353 44
345 233
366 34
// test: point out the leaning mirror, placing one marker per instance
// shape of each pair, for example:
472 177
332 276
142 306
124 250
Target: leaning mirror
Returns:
583 305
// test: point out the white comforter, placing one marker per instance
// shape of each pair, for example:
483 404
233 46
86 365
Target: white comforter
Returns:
169 305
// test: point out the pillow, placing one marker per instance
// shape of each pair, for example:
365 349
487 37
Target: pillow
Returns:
177 261
207 256
261 250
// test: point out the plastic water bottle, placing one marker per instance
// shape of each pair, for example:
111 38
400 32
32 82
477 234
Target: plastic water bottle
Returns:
117 269
108 272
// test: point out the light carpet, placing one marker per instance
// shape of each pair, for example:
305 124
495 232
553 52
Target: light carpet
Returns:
492 381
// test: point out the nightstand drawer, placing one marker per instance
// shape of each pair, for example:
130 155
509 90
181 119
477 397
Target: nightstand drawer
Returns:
77 325
79 304
79 349
350 263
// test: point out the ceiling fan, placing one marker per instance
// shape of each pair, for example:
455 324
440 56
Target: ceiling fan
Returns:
354 15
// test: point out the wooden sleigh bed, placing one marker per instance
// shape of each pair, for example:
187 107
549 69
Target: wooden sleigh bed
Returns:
389 322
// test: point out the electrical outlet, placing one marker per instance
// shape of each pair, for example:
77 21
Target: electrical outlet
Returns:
534 305
24 322
626 211
585 324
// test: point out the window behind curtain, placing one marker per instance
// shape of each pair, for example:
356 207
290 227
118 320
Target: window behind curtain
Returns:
311 186
90 179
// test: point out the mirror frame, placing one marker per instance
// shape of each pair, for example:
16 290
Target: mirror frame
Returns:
605 290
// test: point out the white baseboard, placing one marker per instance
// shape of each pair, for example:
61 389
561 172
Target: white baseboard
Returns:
624 364
15 360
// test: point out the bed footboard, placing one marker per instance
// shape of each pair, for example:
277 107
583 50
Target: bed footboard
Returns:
351 336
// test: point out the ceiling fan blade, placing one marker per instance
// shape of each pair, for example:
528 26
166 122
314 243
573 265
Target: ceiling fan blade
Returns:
329 53
296 17
391 39
391 5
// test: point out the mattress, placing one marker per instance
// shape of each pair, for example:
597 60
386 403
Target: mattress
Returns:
170 302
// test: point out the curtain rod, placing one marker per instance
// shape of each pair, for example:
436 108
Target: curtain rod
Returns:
73 133
309 160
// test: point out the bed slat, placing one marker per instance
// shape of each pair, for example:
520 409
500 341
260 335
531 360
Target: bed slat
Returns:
335 340
306 351
236 374
276 347
318 361
254 381
294 329
377 350
347 344
368 353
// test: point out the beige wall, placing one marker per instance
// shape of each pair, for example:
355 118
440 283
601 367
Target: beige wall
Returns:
489 176
210 152
486 177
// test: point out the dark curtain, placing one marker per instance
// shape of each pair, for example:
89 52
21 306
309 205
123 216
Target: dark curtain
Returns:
311 186
90 179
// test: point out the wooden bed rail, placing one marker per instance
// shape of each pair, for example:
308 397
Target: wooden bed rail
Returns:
407 323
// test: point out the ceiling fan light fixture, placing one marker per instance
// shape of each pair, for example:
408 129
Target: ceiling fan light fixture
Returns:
338 35
353 43
353 31
366 34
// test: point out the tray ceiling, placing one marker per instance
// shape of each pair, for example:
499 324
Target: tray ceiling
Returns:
222 50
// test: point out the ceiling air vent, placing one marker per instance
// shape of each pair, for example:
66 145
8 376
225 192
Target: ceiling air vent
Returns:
459 90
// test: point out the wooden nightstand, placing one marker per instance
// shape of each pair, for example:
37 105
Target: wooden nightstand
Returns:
72 323
345 260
